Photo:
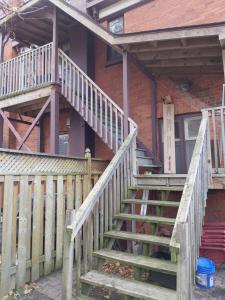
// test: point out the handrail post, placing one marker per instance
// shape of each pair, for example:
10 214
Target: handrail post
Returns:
88 157
133 153
205 115
68 257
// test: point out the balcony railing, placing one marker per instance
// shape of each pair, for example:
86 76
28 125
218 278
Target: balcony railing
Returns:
26 71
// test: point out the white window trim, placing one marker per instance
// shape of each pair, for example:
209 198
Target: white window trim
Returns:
186 120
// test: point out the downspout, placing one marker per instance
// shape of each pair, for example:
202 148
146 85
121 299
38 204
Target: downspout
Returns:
153 87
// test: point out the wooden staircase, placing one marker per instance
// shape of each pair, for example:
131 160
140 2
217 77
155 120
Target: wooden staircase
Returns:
108 227
131 222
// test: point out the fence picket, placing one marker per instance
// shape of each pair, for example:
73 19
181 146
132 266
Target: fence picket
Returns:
36 236
6 236
23 227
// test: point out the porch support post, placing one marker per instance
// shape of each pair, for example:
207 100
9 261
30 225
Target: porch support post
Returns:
54 121
55 73
222 43
125 93
1 47
1 131
54 114
154 116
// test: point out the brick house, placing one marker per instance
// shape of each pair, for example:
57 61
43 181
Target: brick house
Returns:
161 62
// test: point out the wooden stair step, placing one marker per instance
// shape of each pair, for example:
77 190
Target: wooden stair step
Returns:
127 287
140 261
147 219
143 238
156 187
152 202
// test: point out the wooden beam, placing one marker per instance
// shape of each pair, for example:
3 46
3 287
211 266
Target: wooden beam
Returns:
55 73
193 43
187 70
193 62
14 131
29 96
223 57
1 131
30 129
54 121
170 34
1 47
169 139
179 54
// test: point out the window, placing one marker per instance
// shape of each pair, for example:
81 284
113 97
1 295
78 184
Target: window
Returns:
115 26
63 144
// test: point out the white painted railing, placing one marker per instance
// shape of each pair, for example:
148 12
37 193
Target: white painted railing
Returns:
95 216
216 121
188 226
98 110
26 71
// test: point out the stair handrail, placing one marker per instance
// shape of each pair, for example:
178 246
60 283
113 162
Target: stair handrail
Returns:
95 215
91 81
101 113
186 236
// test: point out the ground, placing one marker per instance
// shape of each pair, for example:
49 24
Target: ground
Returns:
49 288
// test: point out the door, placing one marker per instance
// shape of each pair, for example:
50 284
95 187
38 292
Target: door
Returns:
186 131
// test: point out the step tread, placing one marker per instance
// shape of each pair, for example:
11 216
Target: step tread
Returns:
150 263
156 187
148 219
144 238
152 202
132 288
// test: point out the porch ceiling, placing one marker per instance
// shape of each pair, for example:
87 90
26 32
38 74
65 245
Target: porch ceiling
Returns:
179 56
34 24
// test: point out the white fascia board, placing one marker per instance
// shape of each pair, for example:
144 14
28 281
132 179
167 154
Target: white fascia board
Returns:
117 7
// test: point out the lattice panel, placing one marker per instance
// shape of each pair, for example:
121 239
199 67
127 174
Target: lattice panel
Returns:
17 163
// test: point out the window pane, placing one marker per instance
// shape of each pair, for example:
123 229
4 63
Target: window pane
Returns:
192 128
63 144
116 25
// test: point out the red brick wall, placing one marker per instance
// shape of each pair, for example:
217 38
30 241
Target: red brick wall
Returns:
159 14
110 80
63 128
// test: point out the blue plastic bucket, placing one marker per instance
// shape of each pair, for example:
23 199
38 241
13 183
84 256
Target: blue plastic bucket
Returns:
205 273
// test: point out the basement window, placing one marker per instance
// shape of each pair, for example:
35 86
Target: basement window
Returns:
115 26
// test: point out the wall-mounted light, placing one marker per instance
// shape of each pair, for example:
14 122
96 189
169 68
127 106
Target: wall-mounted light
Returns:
186 85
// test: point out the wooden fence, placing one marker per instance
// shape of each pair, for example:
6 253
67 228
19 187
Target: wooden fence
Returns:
33 216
